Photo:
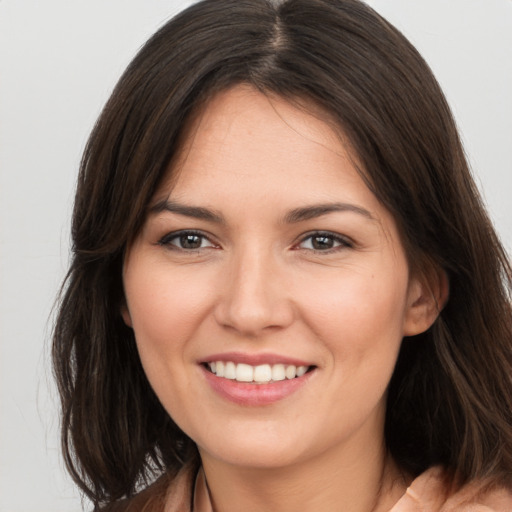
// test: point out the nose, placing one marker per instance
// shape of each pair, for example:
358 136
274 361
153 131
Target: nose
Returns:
254 297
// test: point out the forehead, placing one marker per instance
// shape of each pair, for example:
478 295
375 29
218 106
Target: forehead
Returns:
242 135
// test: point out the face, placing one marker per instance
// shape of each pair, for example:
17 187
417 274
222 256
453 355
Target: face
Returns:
268 290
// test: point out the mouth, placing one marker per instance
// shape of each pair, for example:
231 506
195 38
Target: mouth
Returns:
258 374
256 379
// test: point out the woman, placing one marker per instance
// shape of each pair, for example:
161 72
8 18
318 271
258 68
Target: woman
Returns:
285 292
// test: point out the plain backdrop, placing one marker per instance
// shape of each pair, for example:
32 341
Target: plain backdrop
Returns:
59 59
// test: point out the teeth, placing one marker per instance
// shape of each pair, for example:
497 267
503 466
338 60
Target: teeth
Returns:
278 372
230 370
260 374
290 371
244 373
301 370
263 373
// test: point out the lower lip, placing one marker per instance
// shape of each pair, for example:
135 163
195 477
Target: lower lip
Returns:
244 393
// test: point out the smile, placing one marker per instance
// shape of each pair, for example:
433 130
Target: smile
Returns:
260 374
256 379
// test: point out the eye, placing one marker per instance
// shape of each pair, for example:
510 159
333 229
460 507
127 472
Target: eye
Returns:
186 241
323 242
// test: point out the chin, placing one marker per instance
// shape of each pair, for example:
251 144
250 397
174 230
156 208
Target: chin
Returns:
260 457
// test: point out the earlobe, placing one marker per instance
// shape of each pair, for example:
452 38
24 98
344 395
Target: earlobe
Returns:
427 297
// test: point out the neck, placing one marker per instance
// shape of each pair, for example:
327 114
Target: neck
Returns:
357 482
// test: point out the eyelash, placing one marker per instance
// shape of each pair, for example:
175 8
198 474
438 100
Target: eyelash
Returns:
166 240
341 241
338 241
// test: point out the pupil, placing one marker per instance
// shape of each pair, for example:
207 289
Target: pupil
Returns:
322 242
190 241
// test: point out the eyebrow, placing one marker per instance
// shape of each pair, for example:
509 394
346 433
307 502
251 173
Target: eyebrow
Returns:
196 212
317 210
292 217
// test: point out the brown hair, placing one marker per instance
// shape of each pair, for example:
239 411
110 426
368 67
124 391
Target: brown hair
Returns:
450 398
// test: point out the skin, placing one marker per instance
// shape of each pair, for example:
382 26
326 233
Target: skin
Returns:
259 282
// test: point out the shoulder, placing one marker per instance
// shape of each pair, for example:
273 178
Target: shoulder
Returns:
172 492
480 497
433 491
151 499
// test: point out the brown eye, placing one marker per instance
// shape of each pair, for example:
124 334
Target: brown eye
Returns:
190 241
186 241
324 242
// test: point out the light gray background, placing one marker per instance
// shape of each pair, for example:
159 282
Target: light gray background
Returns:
59 59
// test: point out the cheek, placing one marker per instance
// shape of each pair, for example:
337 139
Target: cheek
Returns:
162 302
165 309
358 313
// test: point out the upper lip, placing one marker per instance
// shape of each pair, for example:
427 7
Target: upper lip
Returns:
255 359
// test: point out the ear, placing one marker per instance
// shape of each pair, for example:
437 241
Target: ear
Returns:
125 313
427 296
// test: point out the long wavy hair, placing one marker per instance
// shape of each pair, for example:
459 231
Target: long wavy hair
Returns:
450 397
